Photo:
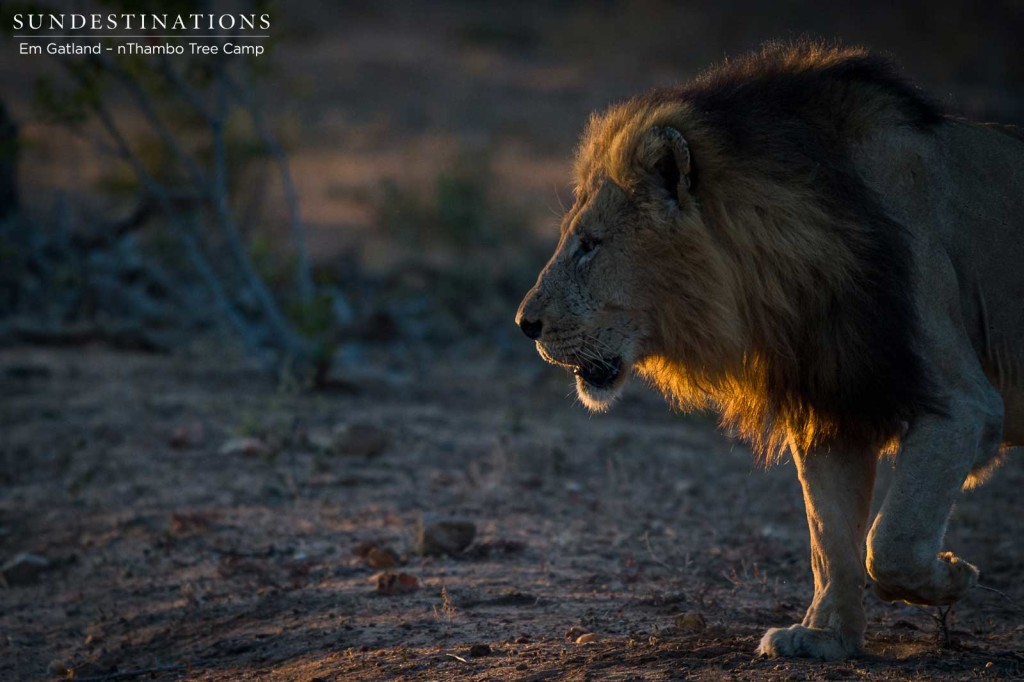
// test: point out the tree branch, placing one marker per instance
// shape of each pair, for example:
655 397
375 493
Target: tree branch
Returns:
160 194
304 276
270 308
145 105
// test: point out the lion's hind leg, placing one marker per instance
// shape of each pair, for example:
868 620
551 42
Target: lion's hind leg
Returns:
905 557
837 495
941 448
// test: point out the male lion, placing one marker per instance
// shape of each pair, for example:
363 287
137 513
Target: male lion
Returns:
801 241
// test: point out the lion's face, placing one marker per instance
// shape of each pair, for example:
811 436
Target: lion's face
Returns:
637 279
585 312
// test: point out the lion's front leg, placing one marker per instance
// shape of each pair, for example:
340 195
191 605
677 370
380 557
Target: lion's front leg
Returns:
837 495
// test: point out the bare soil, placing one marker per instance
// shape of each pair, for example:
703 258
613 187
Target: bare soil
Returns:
172 560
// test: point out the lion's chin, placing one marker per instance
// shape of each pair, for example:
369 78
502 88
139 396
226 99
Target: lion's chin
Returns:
598 382
598 398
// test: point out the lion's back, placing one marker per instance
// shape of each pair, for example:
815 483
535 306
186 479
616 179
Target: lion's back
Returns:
959 190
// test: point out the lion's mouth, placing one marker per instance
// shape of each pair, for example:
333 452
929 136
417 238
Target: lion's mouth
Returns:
593 372
600 374
598 379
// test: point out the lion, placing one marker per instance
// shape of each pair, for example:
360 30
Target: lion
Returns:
802 241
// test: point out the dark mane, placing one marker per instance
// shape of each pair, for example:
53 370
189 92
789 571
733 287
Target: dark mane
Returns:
844 367
810 78
791 112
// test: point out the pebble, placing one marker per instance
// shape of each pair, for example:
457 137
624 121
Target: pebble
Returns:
58 668
382 557
439 535
321 440
574 632
480 650
186 436
389 583
691 621
361 440
23 569
250 447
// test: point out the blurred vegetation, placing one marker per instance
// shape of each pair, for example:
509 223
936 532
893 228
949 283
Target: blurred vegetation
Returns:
194 173
460 214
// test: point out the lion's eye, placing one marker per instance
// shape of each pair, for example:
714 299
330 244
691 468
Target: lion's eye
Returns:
588 244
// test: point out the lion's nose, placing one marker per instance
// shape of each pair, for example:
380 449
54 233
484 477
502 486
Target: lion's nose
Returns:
532 328
530 316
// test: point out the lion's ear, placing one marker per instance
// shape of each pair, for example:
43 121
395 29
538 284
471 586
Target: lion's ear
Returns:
665 154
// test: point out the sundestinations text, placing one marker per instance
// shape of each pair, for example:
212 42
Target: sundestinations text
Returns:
141 22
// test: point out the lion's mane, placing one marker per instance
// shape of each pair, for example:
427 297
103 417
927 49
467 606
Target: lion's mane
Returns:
805 336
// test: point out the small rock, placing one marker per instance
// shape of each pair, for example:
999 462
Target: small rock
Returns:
574 632
588 638
23 569
438 535
184 522
58 668
361 440
484 550
321 440
363 548
377 554
249 447
186 436
691 621
684 486
480 650
382 557
389 583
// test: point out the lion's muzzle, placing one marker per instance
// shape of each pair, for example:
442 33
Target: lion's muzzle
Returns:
599 374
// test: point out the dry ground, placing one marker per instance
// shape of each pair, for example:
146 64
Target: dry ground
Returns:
643 527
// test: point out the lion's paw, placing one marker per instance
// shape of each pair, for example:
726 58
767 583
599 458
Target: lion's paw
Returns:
798 641
946 581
